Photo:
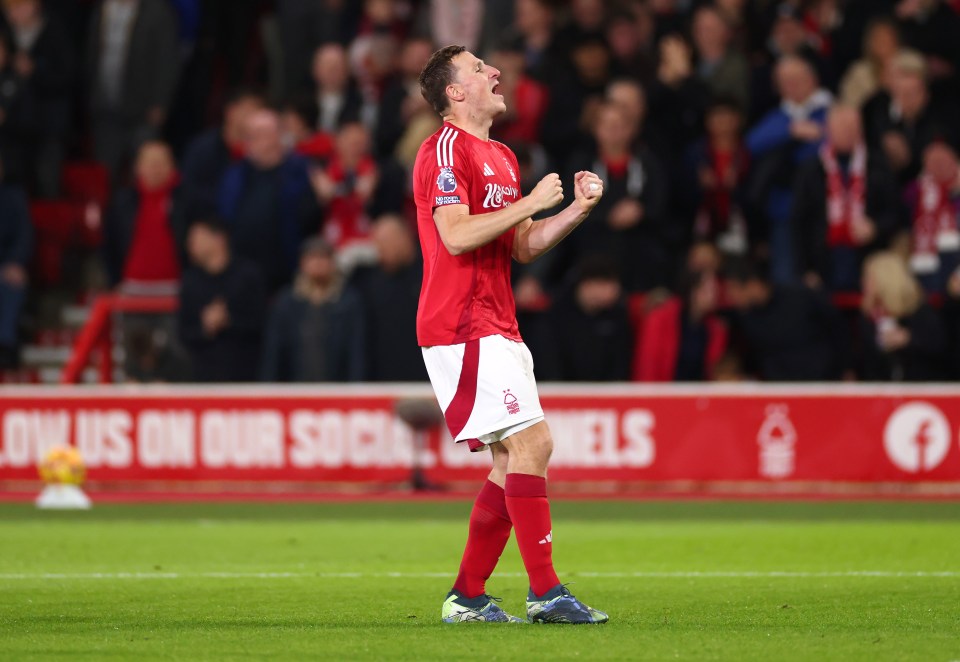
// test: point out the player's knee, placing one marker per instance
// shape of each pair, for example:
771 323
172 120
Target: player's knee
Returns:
544 446
501 458
531 446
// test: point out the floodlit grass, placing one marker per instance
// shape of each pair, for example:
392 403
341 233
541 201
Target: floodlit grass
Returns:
693 581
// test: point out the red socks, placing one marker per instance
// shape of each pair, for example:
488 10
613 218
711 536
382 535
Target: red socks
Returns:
526 498
489 532
524 503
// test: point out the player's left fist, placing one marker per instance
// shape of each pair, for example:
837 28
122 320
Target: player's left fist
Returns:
587 189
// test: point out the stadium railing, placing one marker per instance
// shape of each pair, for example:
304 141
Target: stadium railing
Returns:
97 333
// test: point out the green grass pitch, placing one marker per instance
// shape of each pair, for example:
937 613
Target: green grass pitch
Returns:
365 581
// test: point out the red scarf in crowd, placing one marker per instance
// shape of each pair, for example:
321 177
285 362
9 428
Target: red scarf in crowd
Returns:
934 224
718 204
152 256
845 201
346 217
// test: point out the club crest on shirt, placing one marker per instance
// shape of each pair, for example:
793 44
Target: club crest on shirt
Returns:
446 182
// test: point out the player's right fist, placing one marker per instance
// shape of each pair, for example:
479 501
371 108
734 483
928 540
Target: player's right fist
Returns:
548 192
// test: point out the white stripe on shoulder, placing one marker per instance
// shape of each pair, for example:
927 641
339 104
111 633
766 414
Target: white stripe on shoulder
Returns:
443 135
450 147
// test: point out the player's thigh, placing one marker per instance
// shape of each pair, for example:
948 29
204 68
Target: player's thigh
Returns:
532 444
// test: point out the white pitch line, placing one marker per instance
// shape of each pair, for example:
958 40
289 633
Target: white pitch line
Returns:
774 574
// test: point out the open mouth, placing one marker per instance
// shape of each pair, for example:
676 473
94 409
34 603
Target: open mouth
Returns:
496 86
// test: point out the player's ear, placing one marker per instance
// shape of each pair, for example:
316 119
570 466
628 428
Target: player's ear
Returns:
454 92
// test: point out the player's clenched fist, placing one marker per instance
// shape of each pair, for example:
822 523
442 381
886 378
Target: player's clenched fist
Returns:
548 192
587 190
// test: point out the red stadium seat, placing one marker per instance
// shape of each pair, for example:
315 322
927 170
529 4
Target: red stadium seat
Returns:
86 181
637 309
58 224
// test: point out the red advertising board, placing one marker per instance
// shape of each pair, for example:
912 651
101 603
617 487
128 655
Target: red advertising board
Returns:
624 433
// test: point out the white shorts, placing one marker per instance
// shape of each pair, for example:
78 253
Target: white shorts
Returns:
485 387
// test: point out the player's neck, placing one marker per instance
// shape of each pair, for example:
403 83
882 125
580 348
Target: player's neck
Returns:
475 126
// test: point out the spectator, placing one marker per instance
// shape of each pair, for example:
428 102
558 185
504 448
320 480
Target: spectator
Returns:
16 248
629 95
786 333
863 79
391 292
384 18
787 36
222 307
585 19
352 189
210 154
533 32
904 122
525 98
474 24
42 59
152 357
678 99
736 14
951 319
629 223
682 339
336 95
782 140
581 85
141 242
845 202
720 165
935 203
315 332
298 133
305 23
670 17
592 338
931 27
703 257
724 70
13 108
131 70
266 201
373 61
402 102
630 36
902 338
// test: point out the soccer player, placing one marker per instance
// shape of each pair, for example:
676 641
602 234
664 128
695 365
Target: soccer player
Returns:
472 221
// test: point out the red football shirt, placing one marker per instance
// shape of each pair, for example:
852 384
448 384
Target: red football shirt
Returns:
467 296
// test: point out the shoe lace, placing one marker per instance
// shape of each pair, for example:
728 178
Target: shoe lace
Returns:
492 598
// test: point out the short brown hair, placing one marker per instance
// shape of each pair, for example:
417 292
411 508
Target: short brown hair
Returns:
436 75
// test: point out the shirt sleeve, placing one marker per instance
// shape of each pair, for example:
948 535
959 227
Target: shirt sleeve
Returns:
449 173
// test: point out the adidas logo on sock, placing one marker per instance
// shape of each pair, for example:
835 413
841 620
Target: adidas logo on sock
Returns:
549 538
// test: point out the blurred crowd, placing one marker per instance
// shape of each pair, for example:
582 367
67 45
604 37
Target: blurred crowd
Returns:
782 194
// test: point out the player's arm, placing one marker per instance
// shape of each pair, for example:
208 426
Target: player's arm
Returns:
462 232
534 238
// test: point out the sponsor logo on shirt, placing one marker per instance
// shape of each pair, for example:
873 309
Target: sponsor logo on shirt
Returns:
496 194
447 200
487 170
513 175
446 182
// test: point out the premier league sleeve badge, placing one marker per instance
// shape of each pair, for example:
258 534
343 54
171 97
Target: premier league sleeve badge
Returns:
446 182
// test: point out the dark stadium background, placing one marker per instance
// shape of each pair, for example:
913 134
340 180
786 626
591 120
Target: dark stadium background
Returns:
643 78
